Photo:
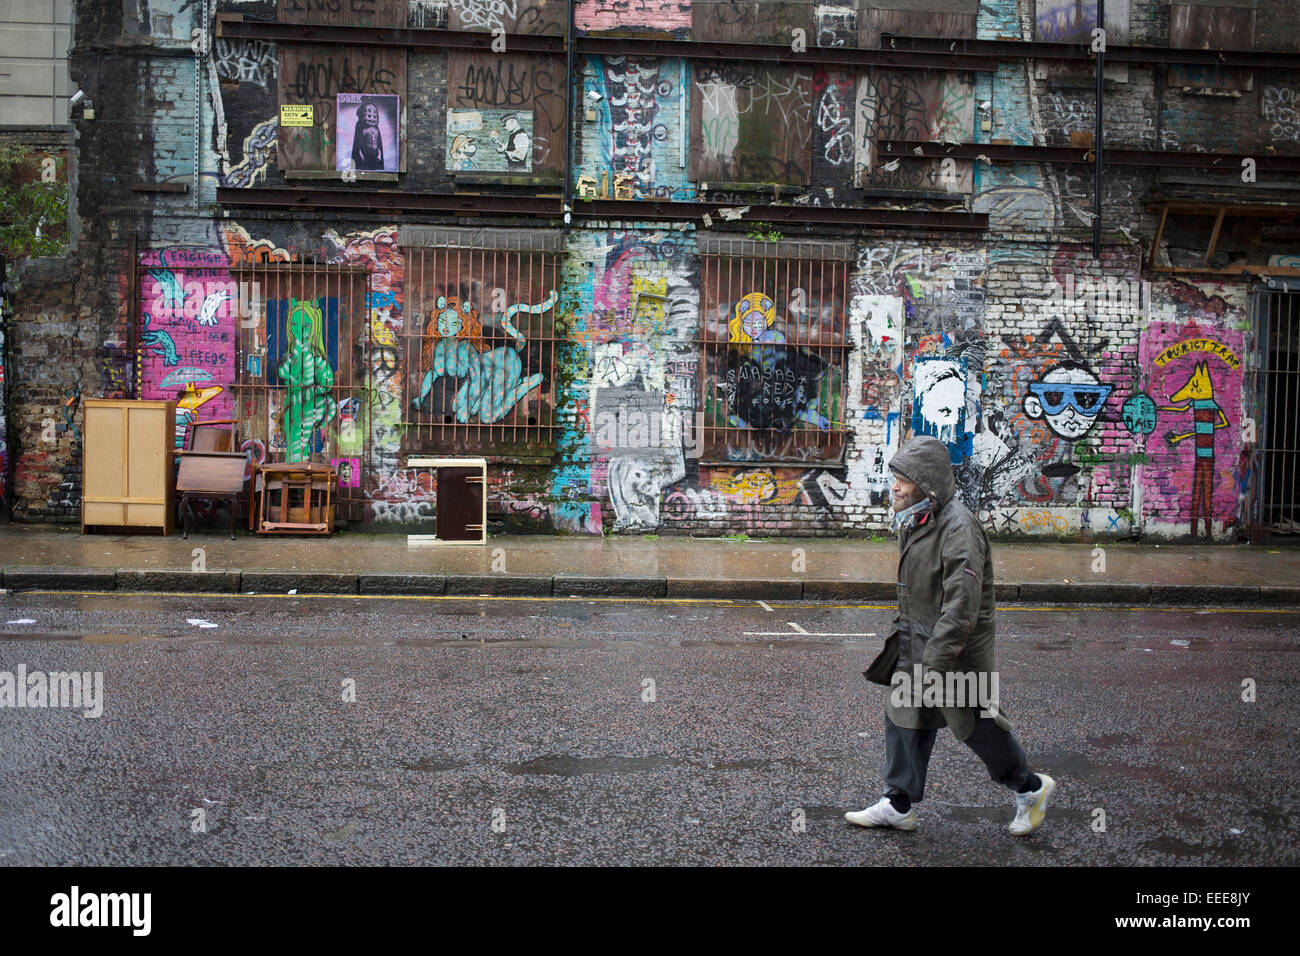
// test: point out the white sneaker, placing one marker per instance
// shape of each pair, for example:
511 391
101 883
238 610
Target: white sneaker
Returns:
1032 807
883 814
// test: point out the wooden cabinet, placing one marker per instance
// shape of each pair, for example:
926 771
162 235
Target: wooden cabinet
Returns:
460 486
126 464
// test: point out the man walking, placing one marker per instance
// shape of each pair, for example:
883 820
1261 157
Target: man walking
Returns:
939 659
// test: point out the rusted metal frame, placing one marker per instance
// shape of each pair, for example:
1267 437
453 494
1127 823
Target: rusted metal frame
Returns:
833 57
231 26
1138 55
1007 153
1160 231
1214 236
234 27
460 204
637 209
841 215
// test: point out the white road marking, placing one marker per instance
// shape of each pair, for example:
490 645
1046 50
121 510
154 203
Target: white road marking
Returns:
802 633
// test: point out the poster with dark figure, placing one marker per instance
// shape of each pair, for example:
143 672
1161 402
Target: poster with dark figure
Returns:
367 132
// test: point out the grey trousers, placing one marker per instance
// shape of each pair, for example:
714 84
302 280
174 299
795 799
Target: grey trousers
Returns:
907 755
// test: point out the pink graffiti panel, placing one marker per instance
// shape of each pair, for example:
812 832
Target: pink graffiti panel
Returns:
1193 378
189 307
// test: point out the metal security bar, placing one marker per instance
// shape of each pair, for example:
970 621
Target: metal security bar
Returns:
304 347
773 350
1278 487
479 351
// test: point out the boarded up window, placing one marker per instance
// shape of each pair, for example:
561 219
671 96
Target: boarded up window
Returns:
1072 21
367 133
505 113
914 105
480 344
918 18
1221 25
534 18
751 123
772 350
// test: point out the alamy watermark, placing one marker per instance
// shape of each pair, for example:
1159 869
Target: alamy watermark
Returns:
82 690
956 689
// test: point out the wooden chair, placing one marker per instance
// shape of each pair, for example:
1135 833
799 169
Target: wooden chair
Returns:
210 436
213 475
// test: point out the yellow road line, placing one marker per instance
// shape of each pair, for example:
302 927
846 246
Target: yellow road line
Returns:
723 602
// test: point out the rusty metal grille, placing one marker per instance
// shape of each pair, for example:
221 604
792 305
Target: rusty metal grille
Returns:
1278 486
773 353
302 395
479 352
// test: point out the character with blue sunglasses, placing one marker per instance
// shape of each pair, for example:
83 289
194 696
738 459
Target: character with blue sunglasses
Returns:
1069 398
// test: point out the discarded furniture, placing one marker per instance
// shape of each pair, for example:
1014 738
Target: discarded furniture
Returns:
295 497
215 435
216 475
126 465
461 500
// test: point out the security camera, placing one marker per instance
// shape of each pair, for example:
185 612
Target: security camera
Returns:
594 96
986 105
76 98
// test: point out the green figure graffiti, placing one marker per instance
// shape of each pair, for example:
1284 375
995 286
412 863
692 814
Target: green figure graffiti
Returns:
306 372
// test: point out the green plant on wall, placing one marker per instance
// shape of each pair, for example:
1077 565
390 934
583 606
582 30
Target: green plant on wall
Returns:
764 232
34 197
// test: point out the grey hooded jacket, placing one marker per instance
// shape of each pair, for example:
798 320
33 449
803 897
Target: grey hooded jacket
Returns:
945 596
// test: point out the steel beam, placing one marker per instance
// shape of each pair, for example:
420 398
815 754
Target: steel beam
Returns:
624 209
230 26
1034 50
1150 158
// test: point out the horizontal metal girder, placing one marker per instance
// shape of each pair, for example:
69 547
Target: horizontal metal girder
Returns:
234 27
624 209
231 27
1150 158
1032 49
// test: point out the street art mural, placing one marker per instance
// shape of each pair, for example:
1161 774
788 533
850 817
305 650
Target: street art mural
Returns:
368 132
634 149
305 371
189 307
493 378
1194 381
490 140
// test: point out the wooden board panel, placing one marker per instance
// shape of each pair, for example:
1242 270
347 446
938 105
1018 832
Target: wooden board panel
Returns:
916 23
745 21
1196 27
534 18
102 455
751 123
315 75
352 13
519 82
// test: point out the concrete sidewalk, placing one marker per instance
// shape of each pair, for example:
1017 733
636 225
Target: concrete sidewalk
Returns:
844 569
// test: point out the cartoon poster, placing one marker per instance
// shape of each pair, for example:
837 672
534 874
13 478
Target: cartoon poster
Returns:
368 132
490 140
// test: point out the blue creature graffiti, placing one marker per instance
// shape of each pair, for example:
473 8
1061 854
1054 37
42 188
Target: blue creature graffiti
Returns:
160 342
454 347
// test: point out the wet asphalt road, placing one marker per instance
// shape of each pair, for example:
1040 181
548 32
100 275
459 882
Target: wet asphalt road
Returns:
490 731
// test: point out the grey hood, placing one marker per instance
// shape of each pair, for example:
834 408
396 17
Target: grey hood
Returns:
924 462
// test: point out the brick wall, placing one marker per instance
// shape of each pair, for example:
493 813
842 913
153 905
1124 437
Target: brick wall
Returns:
1049 375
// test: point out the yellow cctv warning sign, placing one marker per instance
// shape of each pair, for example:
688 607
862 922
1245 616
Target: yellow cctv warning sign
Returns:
296 114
